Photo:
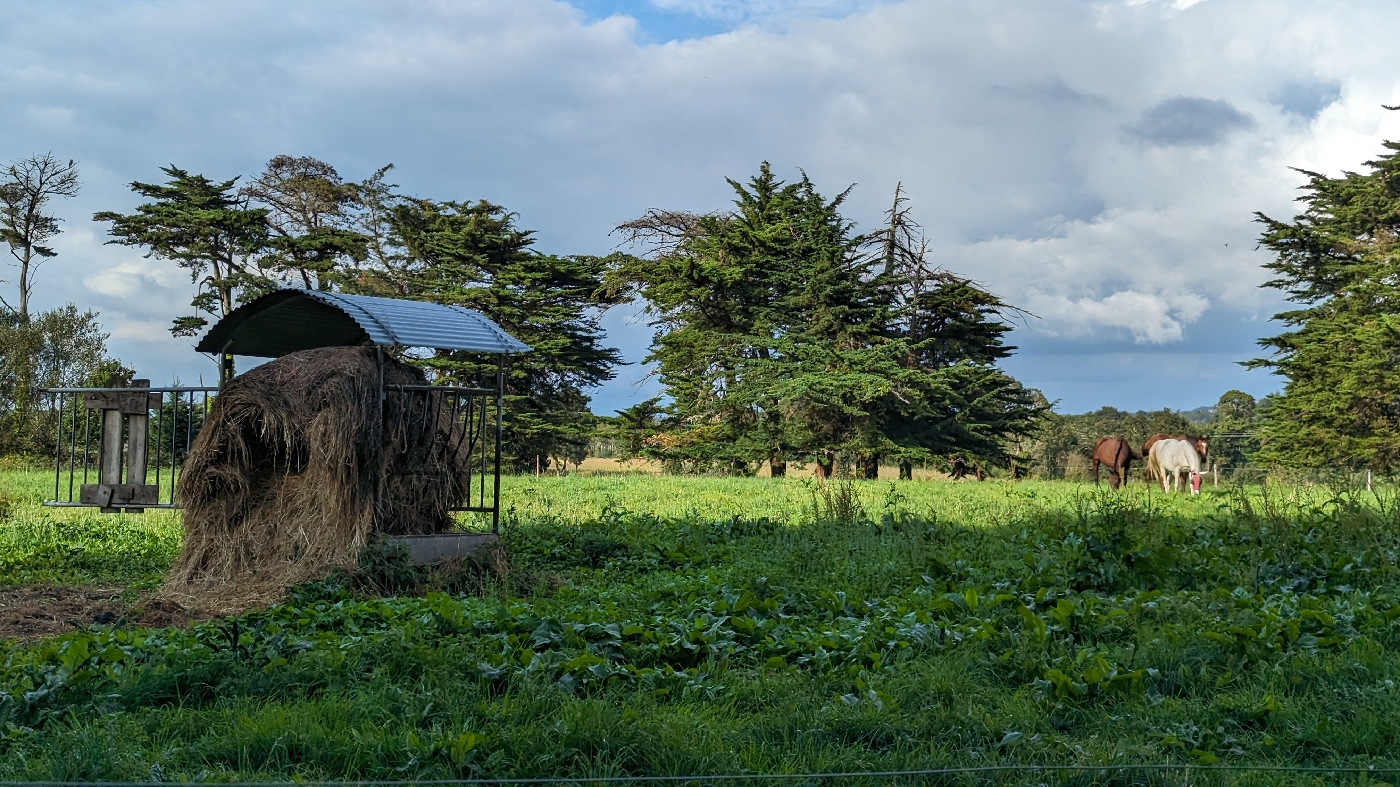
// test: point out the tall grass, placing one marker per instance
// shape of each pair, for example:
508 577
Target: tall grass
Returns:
745 625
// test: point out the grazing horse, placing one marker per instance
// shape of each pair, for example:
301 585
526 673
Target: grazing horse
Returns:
1117 455
1172 458
959 469
1149 468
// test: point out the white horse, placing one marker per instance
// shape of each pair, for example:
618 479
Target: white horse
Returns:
1174 457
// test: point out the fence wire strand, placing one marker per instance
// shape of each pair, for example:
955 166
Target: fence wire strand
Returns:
970 770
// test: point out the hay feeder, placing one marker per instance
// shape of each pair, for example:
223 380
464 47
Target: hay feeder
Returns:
427 450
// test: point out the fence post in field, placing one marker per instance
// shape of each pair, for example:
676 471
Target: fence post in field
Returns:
137 432
125 407
109 458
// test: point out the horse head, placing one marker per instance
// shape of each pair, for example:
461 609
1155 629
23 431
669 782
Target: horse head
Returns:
1202 446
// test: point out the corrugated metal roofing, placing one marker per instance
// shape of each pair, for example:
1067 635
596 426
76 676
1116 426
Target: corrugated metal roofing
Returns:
289 320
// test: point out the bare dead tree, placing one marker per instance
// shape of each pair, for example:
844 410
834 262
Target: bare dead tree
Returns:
26 187
662 231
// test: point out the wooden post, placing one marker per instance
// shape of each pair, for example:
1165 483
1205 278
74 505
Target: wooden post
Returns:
1215 474
118 402
136 444
109 462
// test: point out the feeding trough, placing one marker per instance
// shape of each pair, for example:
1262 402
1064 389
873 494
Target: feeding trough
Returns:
311 455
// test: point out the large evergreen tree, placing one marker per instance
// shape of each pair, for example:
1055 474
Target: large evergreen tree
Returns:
1337 260
206 228
26 187
782 333
26 228
472 254
955 405
310 214
762 318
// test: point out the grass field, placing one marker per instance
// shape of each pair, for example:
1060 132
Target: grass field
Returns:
663 625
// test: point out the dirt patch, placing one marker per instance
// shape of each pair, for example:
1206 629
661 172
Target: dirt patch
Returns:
31 613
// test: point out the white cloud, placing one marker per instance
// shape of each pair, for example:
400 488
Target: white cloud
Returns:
1149 319
134 278
1085 160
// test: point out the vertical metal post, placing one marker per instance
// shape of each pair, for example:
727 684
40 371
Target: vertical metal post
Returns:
468 431
175 398
189 425
379 443
379 356
225 364
58 445
160 444
500 406
73 444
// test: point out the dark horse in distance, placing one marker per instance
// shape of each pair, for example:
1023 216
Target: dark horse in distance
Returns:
1117 455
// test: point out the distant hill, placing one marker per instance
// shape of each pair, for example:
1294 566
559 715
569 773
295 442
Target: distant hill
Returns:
1200 415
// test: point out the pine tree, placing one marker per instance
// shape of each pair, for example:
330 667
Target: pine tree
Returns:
472 254
781 332
310 212
205 228
761 314
953 404
26 187
1337 260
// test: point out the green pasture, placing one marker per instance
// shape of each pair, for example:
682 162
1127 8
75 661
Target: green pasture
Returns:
671 625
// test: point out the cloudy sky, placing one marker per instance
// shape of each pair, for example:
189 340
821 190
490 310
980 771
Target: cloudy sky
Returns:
1095 163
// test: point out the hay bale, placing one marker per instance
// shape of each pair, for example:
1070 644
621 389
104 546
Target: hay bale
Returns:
299 465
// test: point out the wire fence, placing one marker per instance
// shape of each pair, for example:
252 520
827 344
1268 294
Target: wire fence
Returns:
1149 773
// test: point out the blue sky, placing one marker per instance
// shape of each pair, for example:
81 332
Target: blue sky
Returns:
681 20
1095 162
657 24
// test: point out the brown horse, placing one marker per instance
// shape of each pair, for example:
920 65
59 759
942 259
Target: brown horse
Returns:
958 468
1117 455
1198 442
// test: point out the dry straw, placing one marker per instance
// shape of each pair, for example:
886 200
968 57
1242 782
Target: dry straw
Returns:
300 465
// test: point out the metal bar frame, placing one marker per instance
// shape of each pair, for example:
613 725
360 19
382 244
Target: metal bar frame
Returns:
474 431
468 408
66 402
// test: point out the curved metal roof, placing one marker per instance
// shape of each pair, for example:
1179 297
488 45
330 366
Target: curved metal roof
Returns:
289 320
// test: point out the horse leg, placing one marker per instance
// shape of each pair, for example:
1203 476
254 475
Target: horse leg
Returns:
1094 461
1113 478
